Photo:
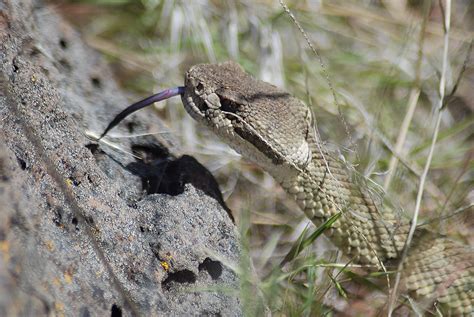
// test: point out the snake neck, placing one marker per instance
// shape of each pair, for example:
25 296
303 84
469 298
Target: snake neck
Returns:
367 231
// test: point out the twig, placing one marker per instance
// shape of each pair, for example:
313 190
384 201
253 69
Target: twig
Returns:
442 88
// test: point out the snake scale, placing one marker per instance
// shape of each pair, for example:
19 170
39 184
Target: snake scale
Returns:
274 130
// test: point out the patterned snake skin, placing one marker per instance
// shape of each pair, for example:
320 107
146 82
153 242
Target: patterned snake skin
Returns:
275 130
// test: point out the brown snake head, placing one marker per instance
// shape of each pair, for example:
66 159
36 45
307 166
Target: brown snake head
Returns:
262 122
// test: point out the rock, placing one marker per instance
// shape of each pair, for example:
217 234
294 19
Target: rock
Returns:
86 230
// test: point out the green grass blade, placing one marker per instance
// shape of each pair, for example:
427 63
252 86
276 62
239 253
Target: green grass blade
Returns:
302 242
339 287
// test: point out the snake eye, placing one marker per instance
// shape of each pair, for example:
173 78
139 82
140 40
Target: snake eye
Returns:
228 106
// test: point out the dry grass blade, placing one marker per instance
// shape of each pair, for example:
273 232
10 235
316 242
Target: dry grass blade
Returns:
413 100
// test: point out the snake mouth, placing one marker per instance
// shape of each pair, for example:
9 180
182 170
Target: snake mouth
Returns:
194 106
192 101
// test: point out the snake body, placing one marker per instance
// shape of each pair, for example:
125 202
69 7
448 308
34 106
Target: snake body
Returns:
274 130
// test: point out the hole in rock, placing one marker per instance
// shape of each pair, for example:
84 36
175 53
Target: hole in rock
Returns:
115 311
214 268
22 163
63 43
96 82
75 222
181 277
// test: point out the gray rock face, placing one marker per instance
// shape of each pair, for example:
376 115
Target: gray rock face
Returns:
84 230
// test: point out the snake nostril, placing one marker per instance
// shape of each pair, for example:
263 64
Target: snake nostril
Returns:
200 88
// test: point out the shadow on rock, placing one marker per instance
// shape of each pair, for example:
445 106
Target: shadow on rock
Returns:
164 174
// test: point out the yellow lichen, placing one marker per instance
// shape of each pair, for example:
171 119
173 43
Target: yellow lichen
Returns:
50 245
68 277
59 307
165 265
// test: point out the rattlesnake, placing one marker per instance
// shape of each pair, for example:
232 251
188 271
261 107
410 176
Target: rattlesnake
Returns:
274 130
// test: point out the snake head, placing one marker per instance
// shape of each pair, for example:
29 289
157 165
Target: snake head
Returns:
260 121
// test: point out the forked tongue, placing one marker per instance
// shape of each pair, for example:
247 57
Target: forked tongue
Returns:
168 93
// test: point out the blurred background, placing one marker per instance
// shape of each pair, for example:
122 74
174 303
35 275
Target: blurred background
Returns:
382 59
